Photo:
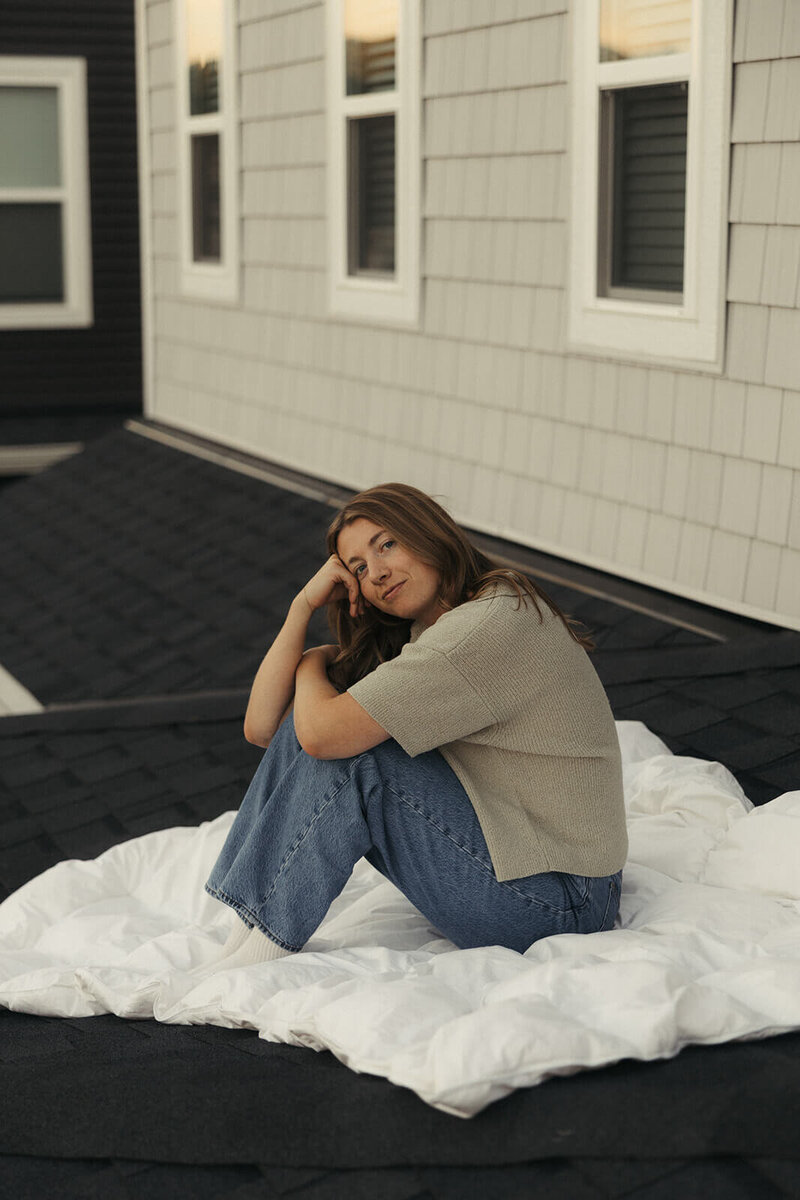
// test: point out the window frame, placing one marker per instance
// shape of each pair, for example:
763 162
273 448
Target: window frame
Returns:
369 296
688 333
209 280
68 76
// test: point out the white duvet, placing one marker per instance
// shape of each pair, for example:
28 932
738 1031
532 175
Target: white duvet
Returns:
707 949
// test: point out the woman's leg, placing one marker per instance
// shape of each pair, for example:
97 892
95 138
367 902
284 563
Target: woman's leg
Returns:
295 840
428 841
304 823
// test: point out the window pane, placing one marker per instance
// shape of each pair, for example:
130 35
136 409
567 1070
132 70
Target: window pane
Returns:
644 28
370 172
204 44
31 254
370 28
206 237
29 154
643 187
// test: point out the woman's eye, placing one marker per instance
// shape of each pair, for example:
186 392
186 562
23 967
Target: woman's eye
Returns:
388 544
357 570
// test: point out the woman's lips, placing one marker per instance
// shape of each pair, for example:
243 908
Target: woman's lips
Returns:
390 595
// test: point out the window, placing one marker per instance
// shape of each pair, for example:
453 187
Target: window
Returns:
45 236
374 174
649 178
207 152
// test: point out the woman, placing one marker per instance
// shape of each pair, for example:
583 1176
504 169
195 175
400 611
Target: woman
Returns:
457 736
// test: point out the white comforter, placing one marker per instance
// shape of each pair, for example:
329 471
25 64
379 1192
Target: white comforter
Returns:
707 950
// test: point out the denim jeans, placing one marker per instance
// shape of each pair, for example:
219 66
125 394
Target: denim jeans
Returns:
304 824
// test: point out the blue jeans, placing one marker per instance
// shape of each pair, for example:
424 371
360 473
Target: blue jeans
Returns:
304 824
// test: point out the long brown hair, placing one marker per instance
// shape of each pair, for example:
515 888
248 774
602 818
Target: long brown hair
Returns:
424 528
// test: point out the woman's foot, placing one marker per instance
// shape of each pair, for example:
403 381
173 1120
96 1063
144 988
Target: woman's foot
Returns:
244 947
255 948
236 938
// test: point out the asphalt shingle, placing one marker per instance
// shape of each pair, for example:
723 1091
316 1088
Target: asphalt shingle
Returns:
135 570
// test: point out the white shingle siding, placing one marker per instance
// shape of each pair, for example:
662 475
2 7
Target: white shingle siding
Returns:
774 506
685 480
727 416
693 555
782 366
750 96
727 564
781 274
788 580
746 251
747 342
755 171
762 424
284 142
159 23
789 441
782 122
766 29
762 577
794 515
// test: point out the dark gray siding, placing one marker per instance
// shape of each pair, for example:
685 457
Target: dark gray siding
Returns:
96 369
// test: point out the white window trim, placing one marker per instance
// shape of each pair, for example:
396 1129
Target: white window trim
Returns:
691 333
68 76
361 297
210 281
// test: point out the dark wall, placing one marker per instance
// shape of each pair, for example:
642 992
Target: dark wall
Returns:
97 369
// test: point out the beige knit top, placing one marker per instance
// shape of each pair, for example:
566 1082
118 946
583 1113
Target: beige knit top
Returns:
514 705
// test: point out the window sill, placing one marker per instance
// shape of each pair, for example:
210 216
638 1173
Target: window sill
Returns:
374 300
45 316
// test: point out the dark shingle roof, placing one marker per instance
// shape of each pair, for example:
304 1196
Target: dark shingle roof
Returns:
142 585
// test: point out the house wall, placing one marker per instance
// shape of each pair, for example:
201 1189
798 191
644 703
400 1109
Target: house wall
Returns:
684 480
96 369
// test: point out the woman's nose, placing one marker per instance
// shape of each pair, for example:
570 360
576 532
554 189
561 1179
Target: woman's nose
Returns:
377 571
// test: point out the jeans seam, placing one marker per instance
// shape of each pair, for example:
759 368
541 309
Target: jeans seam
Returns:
529 900
242 909
301 836
613 888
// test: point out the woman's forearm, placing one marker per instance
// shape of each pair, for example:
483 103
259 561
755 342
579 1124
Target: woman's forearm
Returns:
327 724
273 686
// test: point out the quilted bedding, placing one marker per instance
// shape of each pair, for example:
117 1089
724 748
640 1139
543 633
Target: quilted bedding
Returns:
706 949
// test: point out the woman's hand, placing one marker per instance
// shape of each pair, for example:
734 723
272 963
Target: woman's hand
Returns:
333 581
276 678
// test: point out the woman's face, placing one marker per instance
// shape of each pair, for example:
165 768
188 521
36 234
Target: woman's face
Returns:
389 576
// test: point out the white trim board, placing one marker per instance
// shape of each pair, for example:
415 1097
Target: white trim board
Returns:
392 300
15 699
689 334
28 460
68 77
145 205
213 281
223 456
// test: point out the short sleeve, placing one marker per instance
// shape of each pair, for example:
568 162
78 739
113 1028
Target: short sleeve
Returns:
422 700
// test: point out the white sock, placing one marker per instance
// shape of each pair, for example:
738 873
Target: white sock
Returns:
243 947
256 948
236 938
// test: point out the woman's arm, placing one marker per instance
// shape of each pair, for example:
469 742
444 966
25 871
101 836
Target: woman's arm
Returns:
327 724
274 685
